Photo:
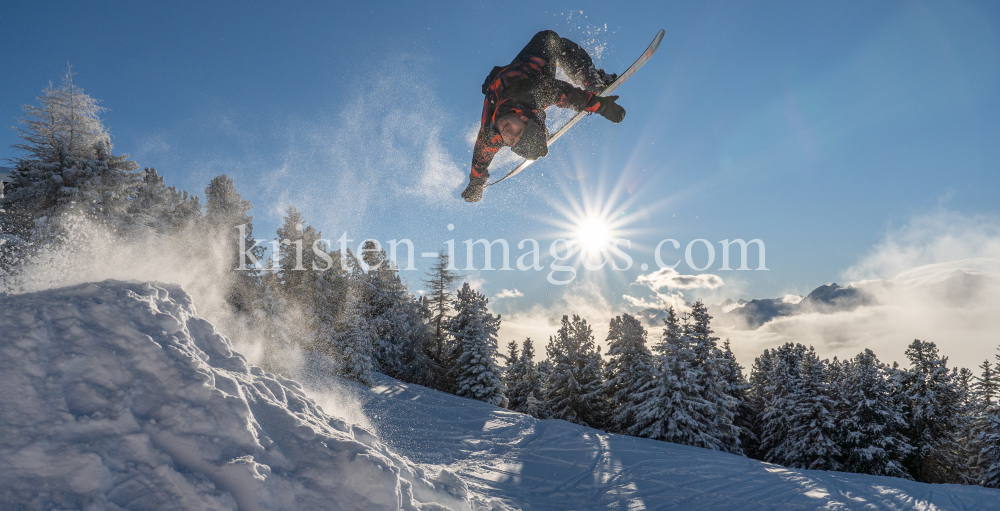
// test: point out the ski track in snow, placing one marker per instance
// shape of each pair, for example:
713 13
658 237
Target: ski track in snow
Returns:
554 465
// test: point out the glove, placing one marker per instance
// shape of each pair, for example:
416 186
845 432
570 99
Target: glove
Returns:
607 107
474 192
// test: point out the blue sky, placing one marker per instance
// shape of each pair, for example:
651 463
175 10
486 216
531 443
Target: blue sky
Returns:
816 127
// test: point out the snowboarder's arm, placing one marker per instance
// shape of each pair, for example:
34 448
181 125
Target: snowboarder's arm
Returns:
488 142
566 95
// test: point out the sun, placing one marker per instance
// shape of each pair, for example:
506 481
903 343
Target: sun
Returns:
593 233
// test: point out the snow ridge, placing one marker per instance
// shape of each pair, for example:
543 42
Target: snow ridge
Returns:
116 395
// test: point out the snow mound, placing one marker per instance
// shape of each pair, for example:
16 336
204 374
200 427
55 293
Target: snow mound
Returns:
118 396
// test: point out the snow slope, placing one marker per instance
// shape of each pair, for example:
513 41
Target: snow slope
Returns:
555 465
117 396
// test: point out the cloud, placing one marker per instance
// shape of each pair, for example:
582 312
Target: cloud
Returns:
939 281
938 237
539 321
669 279
507 293
475 280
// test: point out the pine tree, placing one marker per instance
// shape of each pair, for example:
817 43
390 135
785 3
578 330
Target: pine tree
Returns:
297 257
524 384
987 385
159 209
512 356
744 414
757 394
225 210
968 428
673 410
780 392
573 389
872 424
396 319
69 168
67 124
510 374
812 440
441 282
984 441
932 415
628 373
474 329
353 342
714 388
989 453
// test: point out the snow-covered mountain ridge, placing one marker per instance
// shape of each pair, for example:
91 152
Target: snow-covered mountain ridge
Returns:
117 396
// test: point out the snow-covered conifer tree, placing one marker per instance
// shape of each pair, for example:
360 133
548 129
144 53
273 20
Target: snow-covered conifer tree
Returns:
760 373
572 391
673 410
524 386
744 415
987 385
225 210
628 372
780 389
989 444
812 440
932 399
710 380
511 373
872 423
69 168
159 209
353 340
474 329
396 318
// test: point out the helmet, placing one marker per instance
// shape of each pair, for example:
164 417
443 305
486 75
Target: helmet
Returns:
534 141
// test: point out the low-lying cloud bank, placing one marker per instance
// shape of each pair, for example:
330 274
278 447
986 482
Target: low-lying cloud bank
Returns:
937 278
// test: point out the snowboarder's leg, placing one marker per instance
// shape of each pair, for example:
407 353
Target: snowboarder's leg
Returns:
561 52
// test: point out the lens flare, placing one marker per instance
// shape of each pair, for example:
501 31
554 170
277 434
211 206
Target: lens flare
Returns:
593 234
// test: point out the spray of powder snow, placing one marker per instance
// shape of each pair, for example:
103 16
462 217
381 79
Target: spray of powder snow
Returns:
383 150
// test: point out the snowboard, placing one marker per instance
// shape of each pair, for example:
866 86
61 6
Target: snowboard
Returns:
607 90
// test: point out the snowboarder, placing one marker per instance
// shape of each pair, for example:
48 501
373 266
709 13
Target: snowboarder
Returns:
517 95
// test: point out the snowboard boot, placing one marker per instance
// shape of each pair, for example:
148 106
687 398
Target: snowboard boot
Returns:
599 81
607 78
474 192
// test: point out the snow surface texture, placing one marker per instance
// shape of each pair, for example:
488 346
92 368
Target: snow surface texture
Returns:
555 465
117 396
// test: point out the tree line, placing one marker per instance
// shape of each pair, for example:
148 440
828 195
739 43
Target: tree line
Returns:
923 421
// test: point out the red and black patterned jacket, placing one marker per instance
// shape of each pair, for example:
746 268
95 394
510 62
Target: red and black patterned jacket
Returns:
526 89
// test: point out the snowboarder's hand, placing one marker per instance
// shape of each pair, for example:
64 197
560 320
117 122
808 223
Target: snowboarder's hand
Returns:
474 192
609 109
